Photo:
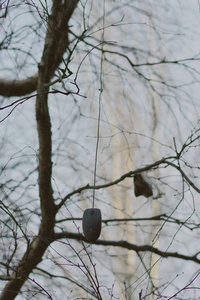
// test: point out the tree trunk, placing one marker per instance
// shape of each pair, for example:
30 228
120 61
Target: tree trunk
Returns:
56 43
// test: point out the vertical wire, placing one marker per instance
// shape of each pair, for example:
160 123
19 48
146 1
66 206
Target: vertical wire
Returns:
99 108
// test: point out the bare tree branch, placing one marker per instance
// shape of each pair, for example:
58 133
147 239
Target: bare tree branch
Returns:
149 167
10 88
128 246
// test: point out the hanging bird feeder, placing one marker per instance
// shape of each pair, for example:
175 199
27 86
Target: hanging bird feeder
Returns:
91 224
91 221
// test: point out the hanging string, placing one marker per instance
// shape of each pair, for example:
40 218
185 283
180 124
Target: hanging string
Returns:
97 147
99 108
98 132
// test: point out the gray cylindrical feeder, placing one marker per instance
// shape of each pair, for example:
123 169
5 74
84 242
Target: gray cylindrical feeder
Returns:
91 224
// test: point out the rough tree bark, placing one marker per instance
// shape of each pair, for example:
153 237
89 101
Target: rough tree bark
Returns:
56 43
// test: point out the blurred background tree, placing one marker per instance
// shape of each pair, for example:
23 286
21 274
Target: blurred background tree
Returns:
121 77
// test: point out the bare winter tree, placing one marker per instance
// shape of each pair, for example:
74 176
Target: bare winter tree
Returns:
99 108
